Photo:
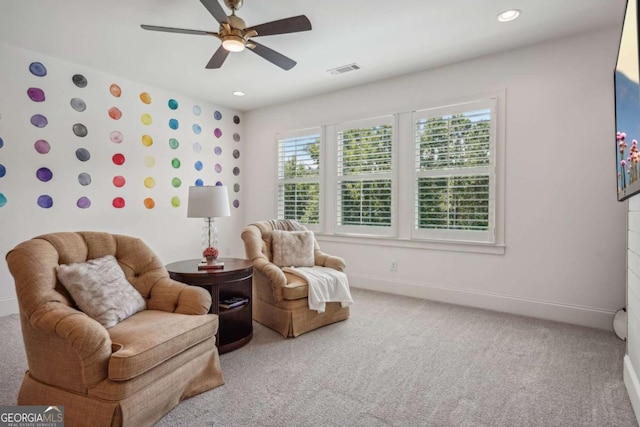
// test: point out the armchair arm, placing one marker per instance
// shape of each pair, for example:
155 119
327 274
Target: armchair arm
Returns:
274 275
324 260
175 297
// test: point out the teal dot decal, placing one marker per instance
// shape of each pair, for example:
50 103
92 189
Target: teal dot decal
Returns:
198 165
45 201
173 143
176 182
196 129
3 170
173 124
199 182
3 200
173 104
175 163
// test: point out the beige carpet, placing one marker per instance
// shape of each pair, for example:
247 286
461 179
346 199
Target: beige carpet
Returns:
401 361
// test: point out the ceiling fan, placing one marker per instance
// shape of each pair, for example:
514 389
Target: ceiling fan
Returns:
235 35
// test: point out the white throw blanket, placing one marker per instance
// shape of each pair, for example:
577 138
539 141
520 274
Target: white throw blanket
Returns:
325 285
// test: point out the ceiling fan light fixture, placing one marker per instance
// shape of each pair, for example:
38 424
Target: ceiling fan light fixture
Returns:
508 15
233 43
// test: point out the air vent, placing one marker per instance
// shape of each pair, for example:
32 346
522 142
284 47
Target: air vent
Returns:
344 69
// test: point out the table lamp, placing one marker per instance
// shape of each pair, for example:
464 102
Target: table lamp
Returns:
208 202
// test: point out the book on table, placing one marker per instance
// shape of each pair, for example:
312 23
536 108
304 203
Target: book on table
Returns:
233 302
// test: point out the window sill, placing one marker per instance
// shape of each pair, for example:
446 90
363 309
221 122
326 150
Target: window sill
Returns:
394 242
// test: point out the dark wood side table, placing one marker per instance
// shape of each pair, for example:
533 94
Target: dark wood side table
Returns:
234 280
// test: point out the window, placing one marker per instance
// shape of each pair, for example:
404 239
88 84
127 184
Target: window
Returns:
299 177
454 173
365 177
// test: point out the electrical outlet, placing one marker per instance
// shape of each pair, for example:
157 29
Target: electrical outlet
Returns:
394 266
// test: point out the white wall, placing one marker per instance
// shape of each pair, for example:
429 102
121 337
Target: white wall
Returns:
564 234
164 228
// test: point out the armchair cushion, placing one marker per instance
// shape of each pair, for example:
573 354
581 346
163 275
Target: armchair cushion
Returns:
100 289
292 248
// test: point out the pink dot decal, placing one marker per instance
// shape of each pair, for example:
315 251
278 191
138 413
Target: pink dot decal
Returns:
115 113
42 146
118 203
116 137
118 159
83 202
36 94
218 167
217 133
119 181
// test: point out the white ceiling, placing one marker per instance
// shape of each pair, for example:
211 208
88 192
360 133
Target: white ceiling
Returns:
385 37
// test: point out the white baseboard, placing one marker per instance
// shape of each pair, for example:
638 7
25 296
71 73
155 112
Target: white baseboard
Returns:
8 306
633 385
584 316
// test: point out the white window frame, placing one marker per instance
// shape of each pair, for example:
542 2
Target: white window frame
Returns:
281 181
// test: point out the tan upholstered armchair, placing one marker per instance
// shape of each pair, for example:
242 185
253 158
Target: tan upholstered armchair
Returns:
280 298
130 374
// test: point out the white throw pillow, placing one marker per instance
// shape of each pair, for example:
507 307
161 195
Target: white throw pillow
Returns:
292 248
101 290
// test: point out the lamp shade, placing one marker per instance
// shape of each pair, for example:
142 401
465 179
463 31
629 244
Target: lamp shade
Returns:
208 201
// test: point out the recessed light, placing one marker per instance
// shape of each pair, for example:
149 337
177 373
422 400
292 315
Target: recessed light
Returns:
238 93
508 15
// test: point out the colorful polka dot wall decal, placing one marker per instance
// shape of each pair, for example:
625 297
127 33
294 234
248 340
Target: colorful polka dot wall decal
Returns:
173 104
145 98
84 179
197 110
42 146
236 188
115 113
149 203
119 181
3 170
217 133
149 182
79 80
80 130
36 94
236 171
175 163
236 203
146 119
217 150
217 115
37 69
236 137
3 200
199 182
174 124
116 137
174 143
236 120
149 161
83 202
118 159
218 167
147 141
39 121
176 182
197 147
236 154
175 201
1 143
198 165
196 129
44 174
118 203
83 154
219 183
115 90
78 104
45 201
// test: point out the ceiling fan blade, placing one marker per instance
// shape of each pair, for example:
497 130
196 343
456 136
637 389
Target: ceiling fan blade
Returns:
218 58
178 30
283 26
215 9
272 56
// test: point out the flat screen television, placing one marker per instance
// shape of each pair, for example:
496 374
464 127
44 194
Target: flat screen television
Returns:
627 105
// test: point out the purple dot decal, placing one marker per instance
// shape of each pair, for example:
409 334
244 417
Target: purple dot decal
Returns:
173 104
45 201
198 165
236 137
84 179
196 129
218 150
39 121
197 147
236 120
217 115
218 167
79 80
173 124
197 110
83 154
44 174
199 182
80 130
83 202
236 203
236 154
236 187
37 69
3 170
116 137
42 146
3 200
36 94
219 184
78 104
217 133
236 171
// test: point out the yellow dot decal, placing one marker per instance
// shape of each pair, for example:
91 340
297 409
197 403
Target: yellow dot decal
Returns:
146 119
149 203
175 201
145 97
149 182
147 141
149 161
